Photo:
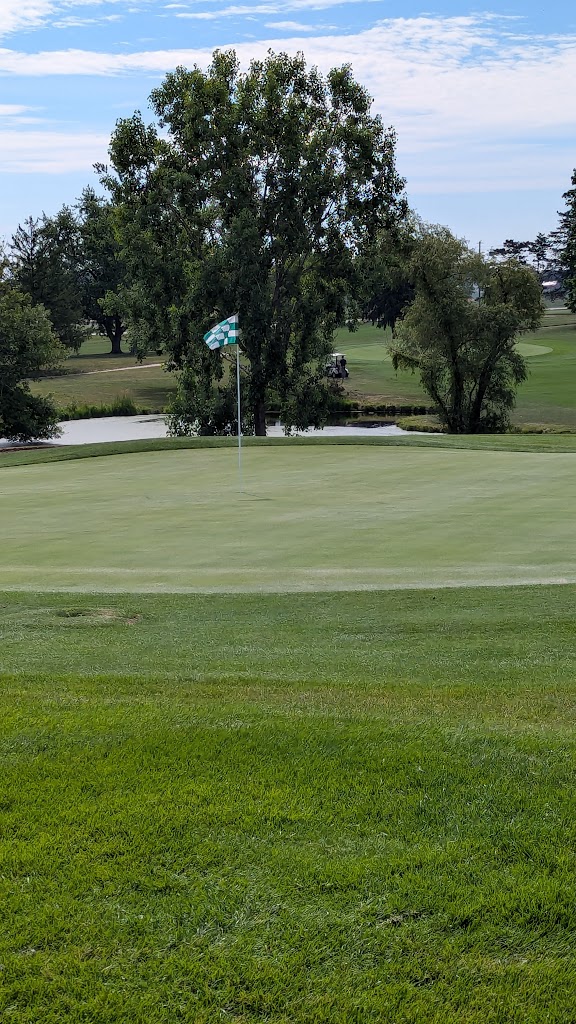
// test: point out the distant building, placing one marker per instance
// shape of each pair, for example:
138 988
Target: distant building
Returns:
552 283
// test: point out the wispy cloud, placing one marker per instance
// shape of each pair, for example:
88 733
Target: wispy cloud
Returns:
295 26
464 93
265 9
50 152
16 15
12 109
74 22
12 114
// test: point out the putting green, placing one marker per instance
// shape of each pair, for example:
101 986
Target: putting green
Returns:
322 518
376 351
525 348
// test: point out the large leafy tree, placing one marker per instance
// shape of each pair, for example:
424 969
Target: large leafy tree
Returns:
27 345
254 196
459 333
101 269
384 281
44 258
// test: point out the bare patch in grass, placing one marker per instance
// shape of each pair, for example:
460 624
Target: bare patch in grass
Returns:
98 615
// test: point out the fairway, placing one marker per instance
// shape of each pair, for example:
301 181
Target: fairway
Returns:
319 518
318 792
548 396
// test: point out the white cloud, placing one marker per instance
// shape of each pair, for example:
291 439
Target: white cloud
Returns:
12 114
12 109
279 7
16 15
292 26
50 152
463 93
74 22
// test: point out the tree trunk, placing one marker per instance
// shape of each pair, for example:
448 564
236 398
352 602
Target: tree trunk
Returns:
259 409
115 336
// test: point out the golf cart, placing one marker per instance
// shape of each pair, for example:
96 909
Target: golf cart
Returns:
336 366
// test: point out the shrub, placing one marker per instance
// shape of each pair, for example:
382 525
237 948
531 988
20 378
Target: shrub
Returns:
121 406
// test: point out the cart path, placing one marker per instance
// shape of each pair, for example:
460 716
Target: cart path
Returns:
115 369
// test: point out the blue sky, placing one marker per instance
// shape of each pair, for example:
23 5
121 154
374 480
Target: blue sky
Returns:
482 98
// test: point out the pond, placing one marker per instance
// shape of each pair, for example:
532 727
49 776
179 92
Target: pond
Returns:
133 428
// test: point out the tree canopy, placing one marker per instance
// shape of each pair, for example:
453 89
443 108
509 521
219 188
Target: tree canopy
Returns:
27 345
44 259
254 195
459 332
100 267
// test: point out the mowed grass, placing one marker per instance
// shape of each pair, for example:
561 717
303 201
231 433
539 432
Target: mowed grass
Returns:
94 356
299 809
311 517
94 377
306 807
547 397
149 387
549 393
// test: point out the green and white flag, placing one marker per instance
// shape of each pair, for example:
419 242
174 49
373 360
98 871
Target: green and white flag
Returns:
224 333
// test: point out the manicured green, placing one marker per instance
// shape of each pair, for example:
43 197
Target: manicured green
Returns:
298 809
483 442
372 376
312 517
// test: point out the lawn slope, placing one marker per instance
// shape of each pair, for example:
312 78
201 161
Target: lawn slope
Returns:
302 809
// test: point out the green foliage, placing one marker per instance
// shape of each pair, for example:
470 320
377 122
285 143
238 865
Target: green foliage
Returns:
27 345
256 198
199 409
121 406
102 267
44 258
384 278
512 250
460 331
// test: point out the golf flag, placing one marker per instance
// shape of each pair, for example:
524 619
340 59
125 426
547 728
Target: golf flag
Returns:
227 333
224 333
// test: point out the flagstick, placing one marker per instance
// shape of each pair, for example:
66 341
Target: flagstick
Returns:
239 416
